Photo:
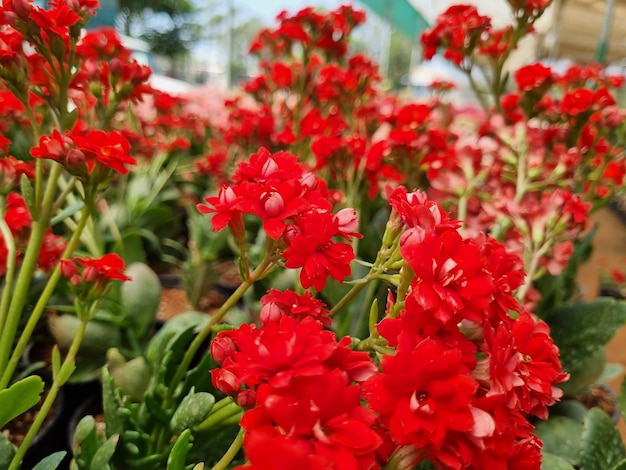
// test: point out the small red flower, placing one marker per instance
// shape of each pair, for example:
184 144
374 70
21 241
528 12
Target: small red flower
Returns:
275 304
313 250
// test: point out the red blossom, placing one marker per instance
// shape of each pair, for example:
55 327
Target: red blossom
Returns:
275 304
313 250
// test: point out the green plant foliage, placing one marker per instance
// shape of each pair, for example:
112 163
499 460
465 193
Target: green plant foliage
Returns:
51 462
580 329
19 397
601 447
561 437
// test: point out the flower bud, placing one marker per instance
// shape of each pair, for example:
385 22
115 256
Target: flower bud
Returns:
273 204
271 312
221 348
225 381
246 398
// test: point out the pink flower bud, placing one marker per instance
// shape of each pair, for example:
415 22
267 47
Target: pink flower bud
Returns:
273 204
221 348
225 381
269 167
68 268
347 220
271 312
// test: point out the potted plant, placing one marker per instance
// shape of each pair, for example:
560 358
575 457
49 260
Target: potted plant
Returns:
409 266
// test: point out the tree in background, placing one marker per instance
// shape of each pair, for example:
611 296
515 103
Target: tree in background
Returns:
170 26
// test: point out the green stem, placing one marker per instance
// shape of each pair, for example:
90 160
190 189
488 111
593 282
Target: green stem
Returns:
43 299
350 295
29 264
230 454
9 242
52 394
258 273
218 416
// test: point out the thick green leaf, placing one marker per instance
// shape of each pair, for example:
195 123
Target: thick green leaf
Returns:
178 456
159 343
554 462
103 455
85 442
620 466
561 436
579 330
115 414
585 373
571 408
194 409
51 462
19 397
7 451
602 445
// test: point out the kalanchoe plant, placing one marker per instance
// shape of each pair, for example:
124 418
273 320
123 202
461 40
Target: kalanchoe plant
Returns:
411 268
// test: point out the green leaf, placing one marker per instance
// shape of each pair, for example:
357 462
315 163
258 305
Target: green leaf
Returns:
193 409
571 408
115 414
178 456
7 451
85 442
585 373
579 330
554 462
620 466
68 212
602 445
103 455
19 397
56 360
51 462
28 192
561 436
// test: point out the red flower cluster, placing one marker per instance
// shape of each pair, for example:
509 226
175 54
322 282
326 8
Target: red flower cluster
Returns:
295 209
458 30
464 372
90 278
19 221
302 390
87 152
456 386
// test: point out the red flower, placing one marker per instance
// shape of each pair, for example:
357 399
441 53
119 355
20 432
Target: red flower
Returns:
318 423
275 304
450 280
277 203
533 76
11 171
577 101
312 248
539 368
110 149
423 394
